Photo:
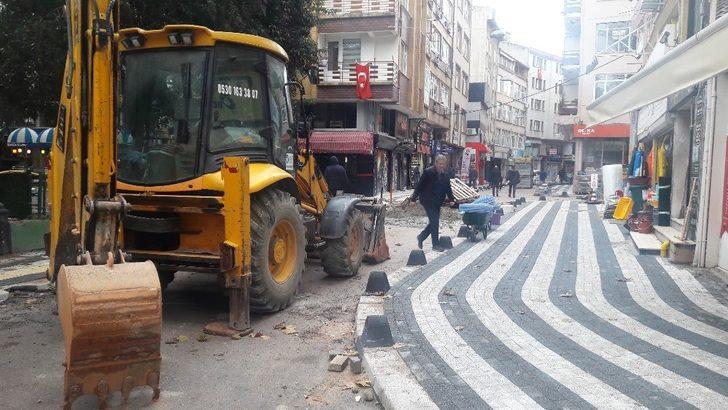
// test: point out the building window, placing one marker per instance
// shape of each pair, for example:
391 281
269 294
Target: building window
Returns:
466 83
428 85
333 55
604 83
615 38
459 37
463 120
538 105
538 62
457 77
403 63
466 46
536 125
352 50
538 83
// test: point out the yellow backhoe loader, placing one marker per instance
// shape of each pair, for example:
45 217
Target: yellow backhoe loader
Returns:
175 152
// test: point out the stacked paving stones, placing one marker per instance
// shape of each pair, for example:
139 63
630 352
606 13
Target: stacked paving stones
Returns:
557 310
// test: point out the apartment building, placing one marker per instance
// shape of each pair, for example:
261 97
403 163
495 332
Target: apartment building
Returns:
378 139
545 143
483 86
438 76
462 13
600 52
511 109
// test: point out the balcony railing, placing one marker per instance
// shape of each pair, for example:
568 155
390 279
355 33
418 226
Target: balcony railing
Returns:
571 58
351 8
380 72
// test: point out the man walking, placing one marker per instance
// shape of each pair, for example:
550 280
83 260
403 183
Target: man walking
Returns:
513 178
495 179
473 176
335 176
433 188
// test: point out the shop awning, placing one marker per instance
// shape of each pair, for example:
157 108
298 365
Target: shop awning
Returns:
342 142
22 137
479 147
46 137
697 59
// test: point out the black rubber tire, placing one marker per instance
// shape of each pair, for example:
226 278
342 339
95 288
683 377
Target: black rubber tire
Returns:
165 278
335 256
266 209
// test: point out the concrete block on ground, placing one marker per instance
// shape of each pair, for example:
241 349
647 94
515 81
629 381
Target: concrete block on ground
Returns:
338 363
355 365
377 332
542 198
445 242
4 296
417 258
334 353
377 283
646 243
464 231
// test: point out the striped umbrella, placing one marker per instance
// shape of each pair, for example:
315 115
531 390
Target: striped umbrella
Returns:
46 137
22 136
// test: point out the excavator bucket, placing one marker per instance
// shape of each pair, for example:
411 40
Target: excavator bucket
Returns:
111 317
376 250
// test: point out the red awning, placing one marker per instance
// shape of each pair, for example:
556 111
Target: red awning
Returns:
342 142
478 146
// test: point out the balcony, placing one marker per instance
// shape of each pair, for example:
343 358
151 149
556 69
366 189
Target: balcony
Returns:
650 6
340 84
571 58
568 107
572 7
358 8
380 72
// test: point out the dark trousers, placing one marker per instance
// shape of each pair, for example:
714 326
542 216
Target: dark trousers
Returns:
512 190
496 189
433 225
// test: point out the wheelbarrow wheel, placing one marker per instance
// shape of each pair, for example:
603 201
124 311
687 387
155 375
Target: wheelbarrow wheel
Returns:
474 234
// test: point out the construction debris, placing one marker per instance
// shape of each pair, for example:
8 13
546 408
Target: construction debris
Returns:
338 363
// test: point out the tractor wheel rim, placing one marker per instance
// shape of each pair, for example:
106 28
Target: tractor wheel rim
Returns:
283 251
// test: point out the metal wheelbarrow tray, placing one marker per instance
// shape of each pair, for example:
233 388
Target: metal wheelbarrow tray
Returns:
477 222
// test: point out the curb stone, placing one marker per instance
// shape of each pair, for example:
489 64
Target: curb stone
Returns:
393 382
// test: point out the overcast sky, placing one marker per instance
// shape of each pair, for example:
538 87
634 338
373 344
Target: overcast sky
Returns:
533 23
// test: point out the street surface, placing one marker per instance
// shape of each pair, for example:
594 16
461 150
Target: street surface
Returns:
556 310
271 370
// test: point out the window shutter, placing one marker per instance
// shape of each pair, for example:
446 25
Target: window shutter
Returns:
721 9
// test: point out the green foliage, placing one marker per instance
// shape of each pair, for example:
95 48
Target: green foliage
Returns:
33 40
32 54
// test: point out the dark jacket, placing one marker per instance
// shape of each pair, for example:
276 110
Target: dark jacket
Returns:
433 188
335 176
494 176
513 177
473 174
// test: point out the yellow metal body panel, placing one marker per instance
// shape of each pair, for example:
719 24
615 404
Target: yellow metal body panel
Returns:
261 176
236 176
312 186
203 36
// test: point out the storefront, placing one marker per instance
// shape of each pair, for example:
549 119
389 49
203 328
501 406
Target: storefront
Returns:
366 156
479 158
601 145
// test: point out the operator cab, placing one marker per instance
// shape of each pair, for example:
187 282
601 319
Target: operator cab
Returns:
189 96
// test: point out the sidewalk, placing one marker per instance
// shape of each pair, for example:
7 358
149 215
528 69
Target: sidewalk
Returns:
555 309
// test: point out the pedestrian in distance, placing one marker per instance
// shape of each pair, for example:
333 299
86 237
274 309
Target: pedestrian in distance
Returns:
432 190
473 176
542 176
495 179
513 178
335 176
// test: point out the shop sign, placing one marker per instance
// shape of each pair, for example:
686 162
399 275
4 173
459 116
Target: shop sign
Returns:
553 151
465 166
602 131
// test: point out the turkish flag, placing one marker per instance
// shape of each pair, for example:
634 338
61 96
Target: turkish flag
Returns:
363 88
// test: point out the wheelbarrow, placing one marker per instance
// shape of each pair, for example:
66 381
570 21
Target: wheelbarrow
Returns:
477 222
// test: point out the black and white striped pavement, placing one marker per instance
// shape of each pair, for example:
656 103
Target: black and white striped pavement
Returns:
556 310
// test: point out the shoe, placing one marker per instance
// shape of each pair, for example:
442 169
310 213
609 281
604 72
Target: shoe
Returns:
438 248
419 243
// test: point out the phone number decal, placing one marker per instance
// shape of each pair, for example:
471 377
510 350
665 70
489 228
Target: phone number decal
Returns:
235 91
